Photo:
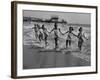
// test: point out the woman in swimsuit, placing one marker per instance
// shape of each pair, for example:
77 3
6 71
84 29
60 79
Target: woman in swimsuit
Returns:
45 35
69 39
80 38
55 29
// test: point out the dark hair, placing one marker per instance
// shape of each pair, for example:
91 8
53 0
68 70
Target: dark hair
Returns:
80 29
43 26
71 29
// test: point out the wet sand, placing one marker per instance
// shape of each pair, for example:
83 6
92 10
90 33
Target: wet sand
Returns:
33 58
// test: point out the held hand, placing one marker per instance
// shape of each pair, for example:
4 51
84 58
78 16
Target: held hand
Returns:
60 31
62 34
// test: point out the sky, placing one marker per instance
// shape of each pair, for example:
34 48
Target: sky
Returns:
70 17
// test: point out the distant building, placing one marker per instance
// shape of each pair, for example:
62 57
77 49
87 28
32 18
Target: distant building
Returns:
54 18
